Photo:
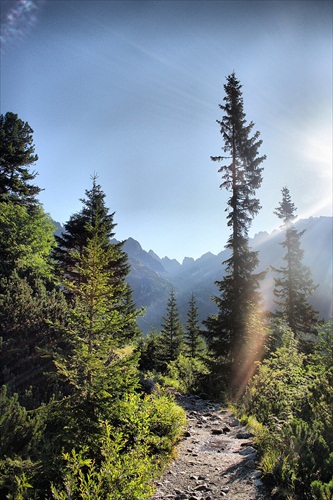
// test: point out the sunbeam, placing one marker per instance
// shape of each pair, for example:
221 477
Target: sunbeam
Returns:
250 352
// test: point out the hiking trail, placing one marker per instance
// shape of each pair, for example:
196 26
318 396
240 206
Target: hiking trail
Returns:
215 459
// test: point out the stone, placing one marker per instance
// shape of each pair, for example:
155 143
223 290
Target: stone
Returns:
202 487
256 474
234 422
249 450
244 435
217 432
258 483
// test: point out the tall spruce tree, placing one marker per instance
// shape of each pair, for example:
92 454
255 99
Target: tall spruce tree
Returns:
17 155
26 232
95 322
241 176
95 219
294 285
172 335
98 364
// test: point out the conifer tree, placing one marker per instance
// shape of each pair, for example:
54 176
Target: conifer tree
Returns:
172 335
95 321
99 365
193 334
294 285
95 219
241 176
26 232
17 154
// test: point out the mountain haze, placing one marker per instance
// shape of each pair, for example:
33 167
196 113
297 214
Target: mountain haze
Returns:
152 278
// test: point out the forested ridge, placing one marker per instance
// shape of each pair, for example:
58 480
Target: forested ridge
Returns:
86 404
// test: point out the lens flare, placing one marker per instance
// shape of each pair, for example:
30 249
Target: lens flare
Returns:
250 352
18 19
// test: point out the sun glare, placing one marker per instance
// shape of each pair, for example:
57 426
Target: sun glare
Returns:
316 209
251 351
317 149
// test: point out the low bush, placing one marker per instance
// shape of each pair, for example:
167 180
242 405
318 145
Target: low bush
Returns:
290 399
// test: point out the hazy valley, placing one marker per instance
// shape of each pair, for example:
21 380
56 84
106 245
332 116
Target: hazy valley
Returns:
152 278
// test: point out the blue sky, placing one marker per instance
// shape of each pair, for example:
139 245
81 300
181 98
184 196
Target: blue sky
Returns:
130 90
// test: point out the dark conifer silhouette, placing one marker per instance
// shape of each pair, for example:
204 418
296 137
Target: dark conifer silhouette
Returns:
241 176
172 335
294 284
17 155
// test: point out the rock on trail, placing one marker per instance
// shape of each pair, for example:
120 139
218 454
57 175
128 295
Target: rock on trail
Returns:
216 458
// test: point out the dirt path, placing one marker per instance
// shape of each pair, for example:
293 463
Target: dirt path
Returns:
216 458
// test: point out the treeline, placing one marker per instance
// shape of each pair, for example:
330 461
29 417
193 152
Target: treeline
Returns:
86 403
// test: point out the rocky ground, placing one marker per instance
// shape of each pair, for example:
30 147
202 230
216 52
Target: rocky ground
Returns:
216 458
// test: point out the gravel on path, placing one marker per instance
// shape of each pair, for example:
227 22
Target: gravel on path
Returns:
215 459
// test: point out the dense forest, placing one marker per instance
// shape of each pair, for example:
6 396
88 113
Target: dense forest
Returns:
87 407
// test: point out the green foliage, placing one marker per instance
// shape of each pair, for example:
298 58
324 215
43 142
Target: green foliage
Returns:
131 451
188 372
26 240
242 177
154 419
94 223
194 341
16 156
292 398
27 309
172 336
22 487
294 285
148 347
77 420
95 365
166 421
121 472
21 434
280 384
322 491
178 360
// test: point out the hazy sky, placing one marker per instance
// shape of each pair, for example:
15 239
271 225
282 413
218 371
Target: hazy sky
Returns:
130 90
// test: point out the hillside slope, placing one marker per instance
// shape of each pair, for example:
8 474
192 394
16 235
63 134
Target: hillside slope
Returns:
152 278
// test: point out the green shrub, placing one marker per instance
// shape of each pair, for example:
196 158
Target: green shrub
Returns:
188 373
322 491
122 471
291 397
132 452
21 433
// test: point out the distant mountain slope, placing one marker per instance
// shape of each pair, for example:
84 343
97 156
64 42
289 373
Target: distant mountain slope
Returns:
152 285
152 278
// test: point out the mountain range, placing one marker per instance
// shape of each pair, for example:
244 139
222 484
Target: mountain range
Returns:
152 278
